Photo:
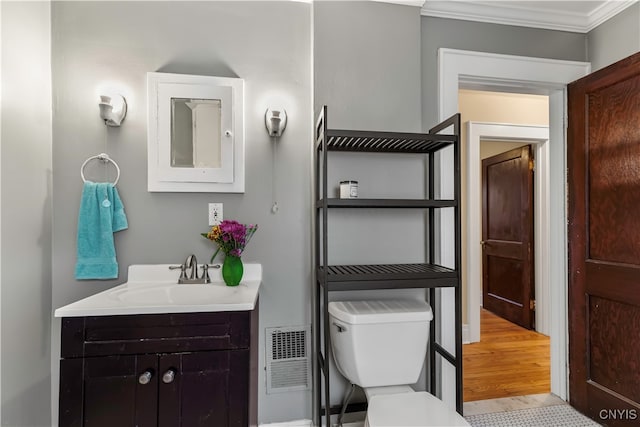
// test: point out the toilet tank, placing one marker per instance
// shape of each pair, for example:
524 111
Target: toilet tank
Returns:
378 343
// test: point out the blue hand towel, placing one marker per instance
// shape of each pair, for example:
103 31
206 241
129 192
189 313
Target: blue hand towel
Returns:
101 214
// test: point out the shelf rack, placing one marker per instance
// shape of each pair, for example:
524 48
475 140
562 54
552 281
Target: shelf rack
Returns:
428 275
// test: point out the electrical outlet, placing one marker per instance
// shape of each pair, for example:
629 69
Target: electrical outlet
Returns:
215 213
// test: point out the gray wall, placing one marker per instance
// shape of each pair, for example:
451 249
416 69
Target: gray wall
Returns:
369 78
26 214
482 37
367 65
266 44
367 72
615 39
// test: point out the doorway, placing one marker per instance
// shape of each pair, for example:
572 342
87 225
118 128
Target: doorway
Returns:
517 74
524 355
479 134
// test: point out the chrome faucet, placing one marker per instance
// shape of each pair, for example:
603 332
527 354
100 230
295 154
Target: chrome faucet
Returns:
191 264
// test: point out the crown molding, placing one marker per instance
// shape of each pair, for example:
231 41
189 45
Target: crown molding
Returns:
607 10
511 13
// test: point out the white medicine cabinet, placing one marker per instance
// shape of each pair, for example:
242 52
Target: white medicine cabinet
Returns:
195 133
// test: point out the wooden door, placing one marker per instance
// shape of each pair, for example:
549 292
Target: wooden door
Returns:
107 391
207 389
507 236
604 243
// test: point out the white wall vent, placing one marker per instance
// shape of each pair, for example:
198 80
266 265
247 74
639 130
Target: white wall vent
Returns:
288 359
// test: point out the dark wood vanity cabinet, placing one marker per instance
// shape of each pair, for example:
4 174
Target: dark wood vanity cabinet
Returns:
164 370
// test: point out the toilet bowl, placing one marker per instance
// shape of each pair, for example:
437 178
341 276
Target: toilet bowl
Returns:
380 345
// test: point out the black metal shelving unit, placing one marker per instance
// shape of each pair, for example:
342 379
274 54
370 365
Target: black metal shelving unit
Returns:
331 278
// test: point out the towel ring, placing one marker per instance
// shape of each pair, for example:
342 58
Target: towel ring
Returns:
105 158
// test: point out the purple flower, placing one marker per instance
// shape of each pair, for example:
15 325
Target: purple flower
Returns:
231 237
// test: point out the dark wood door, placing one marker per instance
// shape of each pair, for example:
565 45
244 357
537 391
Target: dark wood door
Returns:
206 389
107 391
604 243
507 236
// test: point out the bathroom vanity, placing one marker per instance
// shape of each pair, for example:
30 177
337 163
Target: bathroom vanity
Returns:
150 353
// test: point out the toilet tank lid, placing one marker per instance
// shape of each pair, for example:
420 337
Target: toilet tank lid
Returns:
381 311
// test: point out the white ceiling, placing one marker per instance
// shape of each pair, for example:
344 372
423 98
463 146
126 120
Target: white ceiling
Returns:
576 16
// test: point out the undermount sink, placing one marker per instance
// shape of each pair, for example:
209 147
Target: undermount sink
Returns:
154 289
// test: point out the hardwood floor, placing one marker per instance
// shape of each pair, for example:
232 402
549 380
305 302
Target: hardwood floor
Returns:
508 361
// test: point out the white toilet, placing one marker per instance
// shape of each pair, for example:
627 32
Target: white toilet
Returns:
381 346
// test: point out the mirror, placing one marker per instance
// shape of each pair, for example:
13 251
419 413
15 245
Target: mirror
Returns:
195 133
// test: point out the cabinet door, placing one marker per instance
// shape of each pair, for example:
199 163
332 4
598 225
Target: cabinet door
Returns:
206 389
107 391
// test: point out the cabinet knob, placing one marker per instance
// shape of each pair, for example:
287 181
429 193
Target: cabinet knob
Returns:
145 377
168 376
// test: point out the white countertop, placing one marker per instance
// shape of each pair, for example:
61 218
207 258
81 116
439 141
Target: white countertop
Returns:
154 289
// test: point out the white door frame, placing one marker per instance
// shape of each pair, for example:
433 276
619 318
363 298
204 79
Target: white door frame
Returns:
521 74
538 137
0 212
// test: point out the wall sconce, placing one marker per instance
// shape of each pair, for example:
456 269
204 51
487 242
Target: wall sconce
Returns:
276 121
113 109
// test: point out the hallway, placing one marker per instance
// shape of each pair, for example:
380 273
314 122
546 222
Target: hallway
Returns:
508 361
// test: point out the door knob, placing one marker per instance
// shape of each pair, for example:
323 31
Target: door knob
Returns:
168 376
483 243
145 377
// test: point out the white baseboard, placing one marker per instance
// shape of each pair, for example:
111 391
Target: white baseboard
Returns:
465 334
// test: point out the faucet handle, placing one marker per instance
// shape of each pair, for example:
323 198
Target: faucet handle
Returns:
212 265
205 273
183 270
